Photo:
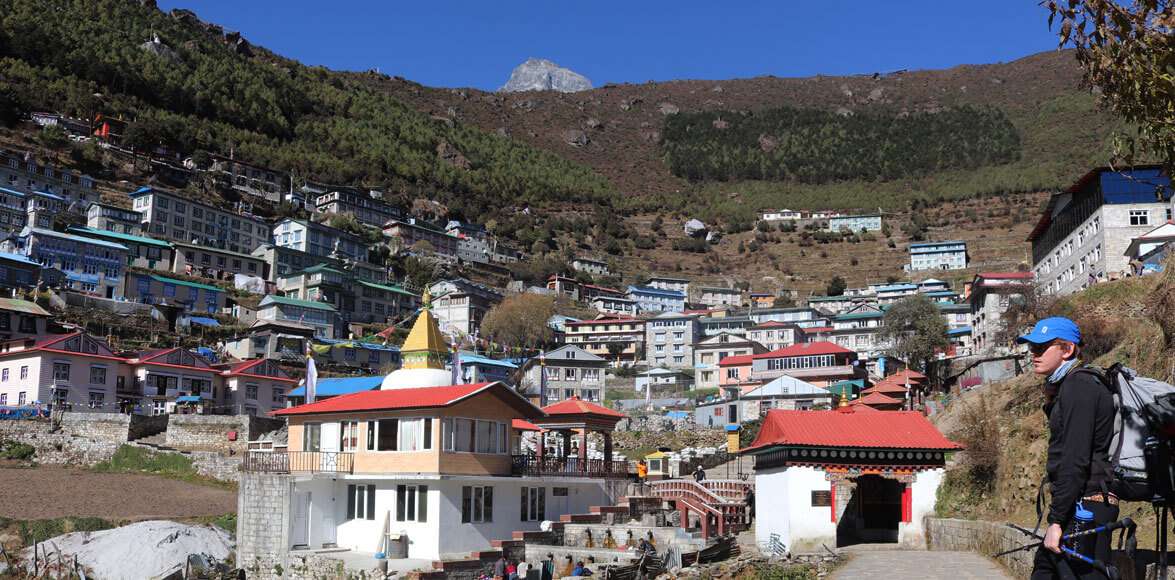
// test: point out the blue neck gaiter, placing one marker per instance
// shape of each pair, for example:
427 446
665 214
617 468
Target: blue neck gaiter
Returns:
1059 374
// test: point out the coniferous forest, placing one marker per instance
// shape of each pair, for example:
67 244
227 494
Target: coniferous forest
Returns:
814 146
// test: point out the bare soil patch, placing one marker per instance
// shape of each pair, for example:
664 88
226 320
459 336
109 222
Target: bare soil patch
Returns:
53 492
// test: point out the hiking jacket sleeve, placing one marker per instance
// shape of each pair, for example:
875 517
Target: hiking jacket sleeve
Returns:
1080 401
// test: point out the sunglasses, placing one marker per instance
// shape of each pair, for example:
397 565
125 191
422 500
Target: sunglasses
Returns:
1039 349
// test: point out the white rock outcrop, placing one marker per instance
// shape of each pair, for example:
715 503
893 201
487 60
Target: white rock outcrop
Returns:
537 74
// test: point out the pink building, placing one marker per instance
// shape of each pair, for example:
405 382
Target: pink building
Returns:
71 369
734 375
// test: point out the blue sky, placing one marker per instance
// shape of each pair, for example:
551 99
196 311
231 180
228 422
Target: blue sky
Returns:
475 43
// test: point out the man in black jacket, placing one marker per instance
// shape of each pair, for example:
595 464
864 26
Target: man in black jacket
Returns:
1081 414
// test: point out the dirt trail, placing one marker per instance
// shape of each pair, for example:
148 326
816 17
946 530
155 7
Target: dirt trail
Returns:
53 492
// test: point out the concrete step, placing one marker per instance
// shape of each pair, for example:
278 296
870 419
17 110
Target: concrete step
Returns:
581 518
608 509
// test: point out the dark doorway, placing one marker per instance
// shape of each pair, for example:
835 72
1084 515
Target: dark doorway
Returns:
873 512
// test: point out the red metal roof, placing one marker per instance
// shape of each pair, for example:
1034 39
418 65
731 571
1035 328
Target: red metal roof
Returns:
885 387
876 398
601 321
903 374
524 425
577 406
769 324
390 399
736 360
850 427
806 349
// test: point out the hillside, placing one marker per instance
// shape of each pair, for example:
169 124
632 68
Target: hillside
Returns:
590 172
1003 426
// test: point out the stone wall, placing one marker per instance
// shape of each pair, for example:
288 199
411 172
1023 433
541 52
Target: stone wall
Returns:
263 512
217 465
211 432
81 438
146 425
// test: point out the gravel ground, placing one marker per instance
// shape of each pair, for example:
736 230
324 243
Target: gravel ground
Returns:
53 492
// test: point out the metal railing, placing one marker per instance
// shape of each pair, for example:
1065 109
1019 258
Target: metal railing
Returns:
299 462
568 466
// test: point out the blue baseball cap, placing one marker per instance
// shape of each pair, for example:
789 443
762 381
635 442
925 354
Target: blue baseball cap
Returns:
1050 329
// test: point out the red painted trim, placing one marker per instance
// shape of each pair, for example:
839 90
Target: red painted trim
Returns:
261 377
60 351
832 508
908 503
169 365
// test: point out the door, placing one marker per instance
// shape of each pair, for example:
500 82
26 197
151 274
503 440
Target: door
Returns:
300 521
329 447
732 415
326 515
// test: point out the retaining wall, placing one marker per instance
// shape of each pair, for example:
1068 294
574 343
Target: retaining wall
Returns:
81 439
211 432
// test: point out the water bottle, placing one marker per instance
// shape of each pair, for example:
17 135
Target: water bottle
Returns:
1082 520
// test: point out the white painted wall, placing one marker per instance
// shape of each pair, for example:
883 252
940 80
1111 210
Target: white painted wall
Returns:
923 496
783 505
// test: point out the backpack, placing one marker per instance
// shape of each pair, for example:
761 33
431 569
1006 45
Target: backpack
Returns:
1144 431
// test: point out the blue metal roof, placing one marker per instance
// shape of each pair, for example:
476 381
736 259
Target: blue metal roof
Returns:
13 192
658 291
340 386
19 258
49 195
934 244
961 331
187 399
79 239
358 344
477 359
204 321
894 287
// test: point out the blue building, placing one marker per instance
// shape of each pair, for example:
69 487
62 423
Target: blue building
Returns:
651 299
855 223
950 255
476 368
88 265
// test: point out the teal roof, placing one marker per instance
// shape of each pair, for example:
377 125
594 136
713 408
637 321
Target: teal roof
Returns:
275 299
859 315
321 268
86 231
387 288
178 282
828 298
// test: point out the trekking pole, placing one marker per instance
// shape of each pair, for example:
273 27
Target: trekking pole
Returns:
1104 528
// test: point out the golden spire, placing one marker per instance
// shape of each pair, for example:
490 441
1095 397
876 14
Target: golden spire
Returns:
425 347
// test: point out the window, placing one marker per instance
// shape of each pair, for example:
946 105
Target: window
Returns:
97 375
415 434
4 376
381 435
472 436
61 371
97 399
3 398
360 502
5 321
411 503
312 437
20 398
1140 217
477 504
24 372
534 504
569 374
733 373
348 436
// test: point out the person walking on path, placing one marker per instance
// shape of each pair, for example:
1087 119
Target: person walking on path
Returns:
749 500
1081 414
699 474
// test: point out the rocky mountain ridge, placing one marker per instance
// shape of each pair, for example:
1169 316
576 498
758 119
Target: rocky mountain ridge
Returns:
539 74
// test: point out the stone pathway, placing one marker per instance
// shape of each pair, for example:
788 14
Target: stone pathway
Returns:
910 564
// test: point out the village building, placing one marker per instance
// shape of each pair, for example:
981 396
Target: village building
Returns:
422 238
460 305
662 377
734 375
761 299
474 243
666 283
782 393
22 319
855 223
102 216
1143 248
651 299
590 266
248 178
148 288
476 368
846 476
356 300
1085 230
177 218
322 317
992 295
615 305
319 240
801 317
21 172
833 305
860 330
68 370
721 322
89 265
669 340
775 335
13 210
777 215
334 387
142 251
252 387
819 363
221 264
355 356
444 467
18 272
951 255
710 350
570 372
886 294
163 378
368 207
281 340
618 340
715 296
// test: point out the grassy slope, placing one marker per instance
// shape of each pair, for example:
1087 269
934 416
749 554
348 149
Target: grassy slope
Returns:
1113 314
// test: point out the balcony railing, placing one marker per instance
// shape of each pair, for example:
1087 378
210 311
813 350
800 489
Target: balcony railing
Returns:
568 467
299 462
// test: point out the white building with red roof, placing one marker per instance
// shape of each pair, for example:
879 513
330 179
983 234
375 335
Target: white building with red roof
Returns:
819 363
440 468
846 476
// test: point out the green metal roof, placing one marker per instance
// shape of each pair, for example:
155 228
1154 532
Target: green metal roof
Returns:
275 299
185 283
87 231
859 315
218 251
387 288
322 268
15 305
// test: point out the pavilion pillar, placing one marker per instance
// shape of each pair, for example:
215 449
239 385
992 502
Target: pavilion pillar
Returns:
541 447
583 450
566 434
704 519
607 450
684 520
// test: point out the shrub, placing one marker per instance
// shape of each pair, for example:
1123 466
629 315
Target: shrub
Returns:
16 450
